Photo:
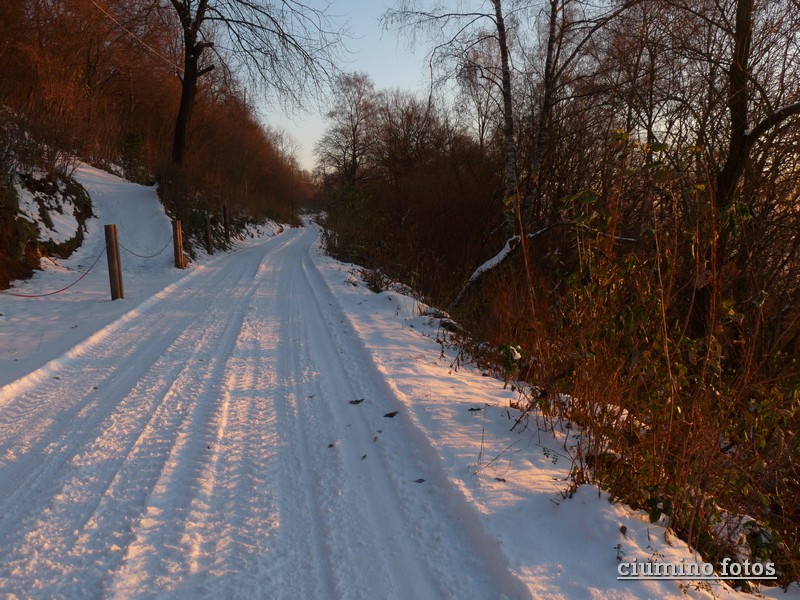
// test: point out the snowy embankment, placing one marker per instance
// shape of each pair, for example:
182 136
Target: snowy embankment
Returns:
36 330
262 425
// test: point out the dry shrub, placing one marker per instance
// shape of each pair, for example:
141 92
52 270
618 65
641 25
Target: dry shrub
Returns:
686 392
664 327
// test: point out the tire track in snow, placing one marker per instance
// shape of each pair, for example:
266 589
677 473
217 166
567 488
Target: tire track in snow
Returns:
234 515
72 420
159 545
166 554
72 477
369 543
378 532
201 465
227 524
304 540
464 560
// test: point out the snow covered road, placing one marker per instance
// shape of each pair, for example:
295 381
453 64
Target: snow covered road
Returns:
213 442
262 425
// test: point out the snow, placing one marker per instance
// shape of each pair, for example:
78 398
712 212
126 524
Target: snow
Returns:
262 425
498 258
38 330
64 224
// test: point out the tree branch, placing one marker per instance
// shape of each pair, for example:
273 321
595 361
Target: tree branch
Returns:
773 120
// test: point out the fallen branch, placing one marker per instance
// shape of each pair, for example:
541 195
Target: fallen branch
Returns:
506 449
513 243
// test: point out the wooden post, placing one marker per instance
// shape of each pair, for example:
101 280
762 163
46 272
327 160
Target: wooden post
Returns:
291 222
177 245
227 224
209 239
114 264
119 263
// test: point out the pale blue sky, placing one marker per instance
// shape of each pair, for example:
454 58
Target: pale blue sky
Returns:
388 60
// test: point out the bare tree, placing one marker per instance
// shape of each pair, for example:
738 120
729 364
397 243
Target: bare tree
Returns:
565 37
741 78
479 86
457 34
347 141
286 46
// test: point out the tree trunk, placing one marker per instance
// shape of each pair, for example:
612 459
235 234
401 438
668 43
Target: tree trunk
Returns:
706 297
510 199
192 49
188 94
545 109
739 142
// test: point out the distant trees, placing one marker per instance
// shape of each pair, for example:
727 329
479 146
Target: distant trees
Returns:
403 182
480 90
458 34
344 148
461 36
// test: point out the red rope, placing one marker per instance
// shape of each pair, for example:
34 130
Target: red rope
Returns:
57 291
150 255
64 289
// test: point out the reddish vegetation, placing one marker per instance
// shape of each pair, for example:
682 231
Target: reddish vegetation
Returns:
100 80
